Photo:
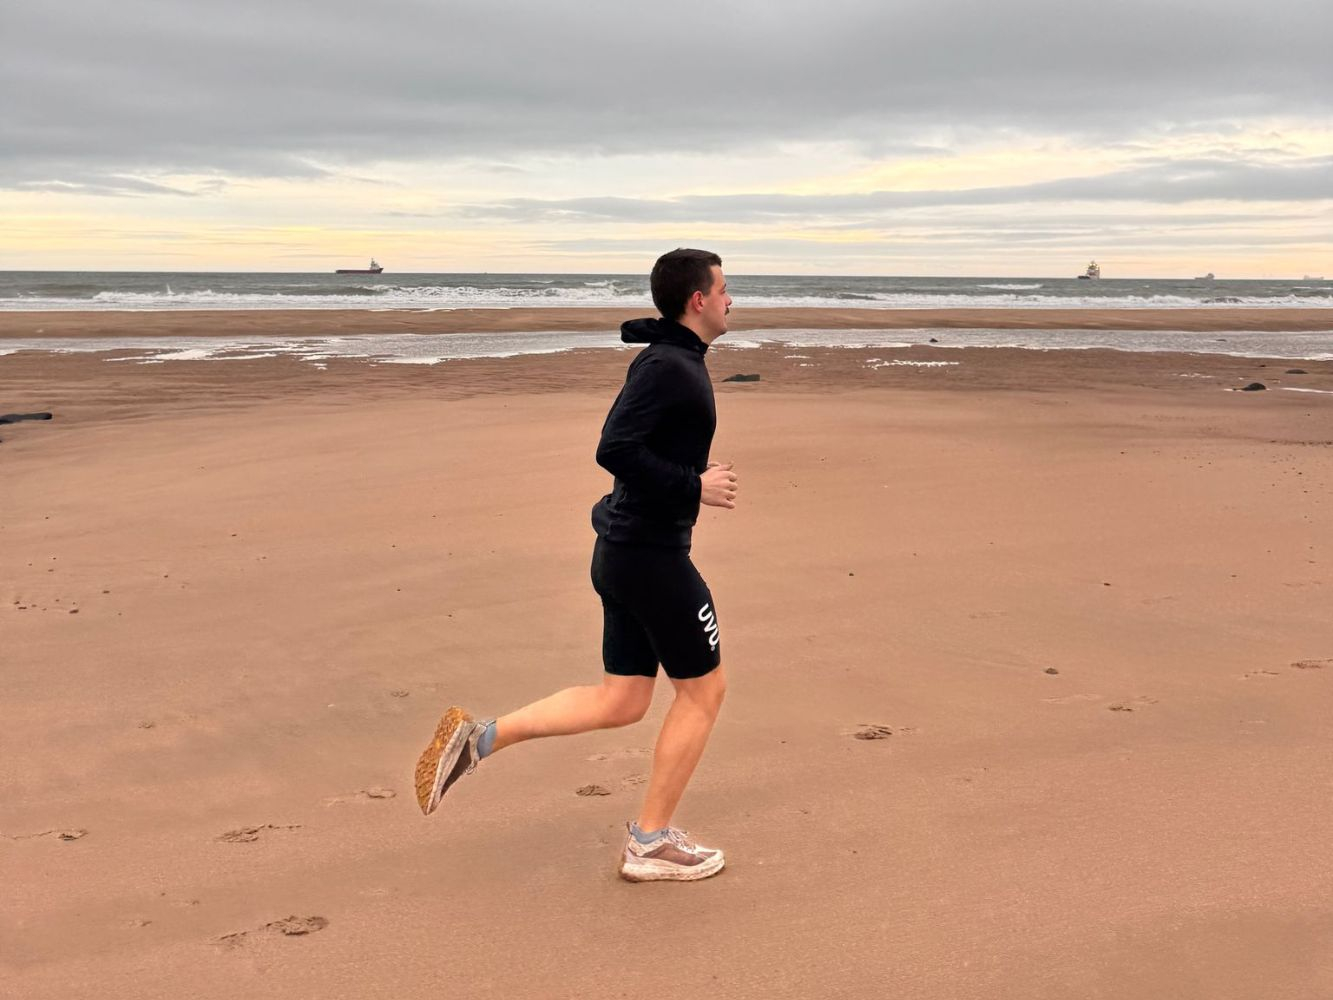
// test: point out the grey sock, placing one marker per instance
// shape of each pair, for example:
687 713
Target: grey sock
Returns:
641 837
486 740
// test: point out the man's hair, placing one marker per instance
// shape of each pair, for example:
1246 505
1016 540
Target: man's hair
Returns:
678 275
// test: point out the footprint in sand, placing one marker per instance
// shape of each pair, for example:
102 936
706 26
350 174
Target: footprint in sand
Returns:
297 926
65 835
872 733
1312 664
622 754
362 795
633 780
985 615
1069 699
1132 704
589 790
292 926
1258 673
249 834
182 903
876 731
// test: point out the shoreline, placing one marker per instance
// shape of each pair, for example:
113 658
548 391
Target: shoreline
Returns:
319 322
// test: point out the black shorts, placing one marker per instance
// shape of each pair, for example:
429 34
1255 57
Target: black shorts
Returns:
656 608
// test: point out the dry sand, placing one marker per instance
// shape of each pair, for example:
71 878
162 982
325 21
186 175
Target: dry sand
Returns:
1086 595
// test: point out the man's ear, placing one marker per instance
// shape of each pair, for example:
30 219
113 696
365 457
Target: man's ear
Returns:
697 301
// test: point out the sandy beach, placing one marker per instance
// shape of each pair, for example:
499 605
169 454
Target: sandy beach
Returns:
1077 599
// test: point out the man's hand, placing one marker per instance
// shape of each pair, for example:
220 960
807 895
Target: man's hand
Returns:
718 485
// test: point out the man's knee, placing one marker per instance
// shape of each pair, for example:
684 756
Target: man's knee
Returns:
625 708
707 691
718 687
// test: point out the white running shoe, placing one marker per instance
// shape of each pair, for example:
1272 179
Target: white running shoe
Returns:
671 857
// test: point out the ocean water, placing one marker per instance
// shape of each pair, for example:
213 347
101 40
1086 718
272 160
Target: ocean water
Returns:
76 290
57 291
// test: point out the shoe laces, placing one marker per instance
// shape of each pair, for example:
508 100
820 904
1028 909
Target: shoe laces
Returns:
681 839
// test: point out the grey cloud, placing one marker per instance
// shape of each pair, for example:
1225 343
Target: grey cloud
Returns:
1160 182
1159 220
987 247
108 185
272 88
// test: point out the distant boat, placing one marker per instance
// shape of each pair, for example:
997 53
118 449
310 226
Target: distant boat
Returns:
1093 271
1206 277
372 269
1313 277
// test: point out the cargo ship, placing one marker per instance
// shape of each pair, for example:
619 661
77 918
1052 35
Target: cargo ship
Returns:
1093 271
372 269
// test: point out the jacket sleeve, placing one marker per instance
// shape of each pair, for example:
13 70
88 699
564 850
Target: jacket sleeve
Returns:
623 451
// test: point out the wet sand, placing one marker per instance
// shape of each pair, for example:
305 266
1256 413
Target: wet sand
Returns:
1080 598
316 322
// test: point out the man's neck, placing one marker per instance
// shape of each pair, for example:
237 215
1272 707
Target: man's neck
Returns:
694 329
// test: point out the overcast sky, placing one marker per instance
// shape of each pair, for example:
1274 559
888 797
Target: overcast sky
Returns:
892 137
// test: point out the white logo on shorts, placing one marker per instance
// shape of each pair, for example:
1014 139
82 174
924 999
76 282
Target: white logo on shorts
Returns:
710 625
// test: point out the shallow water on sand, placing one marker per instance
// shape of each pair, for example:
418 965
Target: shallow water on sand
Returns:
430 349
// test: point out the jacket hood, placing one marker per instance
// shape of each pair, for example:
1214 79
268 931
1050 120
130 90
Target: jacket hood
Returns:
660 331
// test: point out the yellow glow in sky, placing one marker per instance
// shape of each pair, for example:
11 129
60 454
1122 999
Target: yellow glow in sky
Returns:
768 212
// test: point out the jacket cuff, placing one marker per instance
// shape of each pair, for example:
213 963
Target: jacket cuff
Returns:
696 490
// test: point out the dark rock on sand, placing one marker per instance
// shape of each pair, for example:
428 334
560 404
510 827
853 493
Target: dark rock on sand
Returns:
13 418
741 378
1297 371
1254 387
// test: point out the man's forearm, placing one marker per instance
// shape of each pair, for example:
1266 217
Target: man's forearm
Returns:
643 470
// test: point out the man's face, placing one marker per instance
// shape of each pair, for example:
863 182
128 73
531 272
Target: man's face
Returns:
716 304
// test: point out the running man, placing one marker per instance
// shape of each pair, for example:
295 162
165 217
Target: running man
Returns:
656 607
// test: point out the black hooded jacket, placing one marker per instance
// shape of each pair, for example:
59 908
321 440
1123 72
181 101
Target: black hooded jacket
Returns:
656 438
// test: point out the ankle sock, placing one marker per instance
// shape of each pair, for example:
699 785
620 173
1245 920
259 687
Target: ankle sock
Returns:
644 838
486 740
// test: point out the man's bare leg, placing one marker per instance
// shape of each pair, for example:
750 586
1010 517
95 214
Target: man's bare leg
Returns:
460 741
617 701
680 745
